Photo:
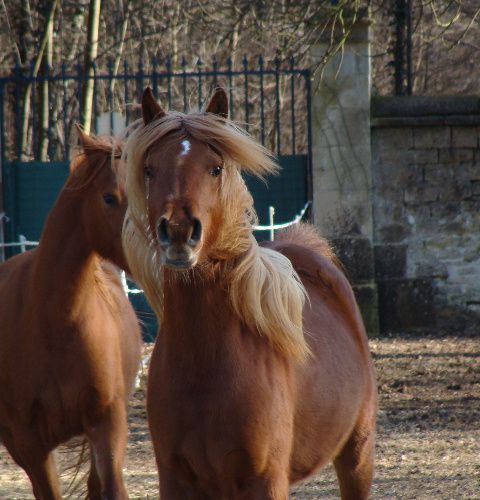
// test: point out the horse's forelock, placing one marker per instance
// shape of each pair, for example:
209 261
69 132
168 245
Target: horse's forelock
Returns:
86 170
234 144
92 158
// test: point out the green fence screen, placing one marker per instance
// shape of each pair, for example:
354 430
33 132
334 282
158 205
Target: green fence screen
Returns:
31 188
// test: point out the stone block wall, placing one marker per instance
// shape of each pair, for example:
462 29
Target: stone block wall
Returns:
426 213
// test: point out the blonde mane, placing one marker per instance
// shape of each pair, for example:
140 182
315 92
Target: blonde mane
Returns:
265 291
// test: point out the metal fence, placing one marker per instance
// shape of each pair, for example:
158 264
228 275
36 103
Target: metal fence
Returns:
270 98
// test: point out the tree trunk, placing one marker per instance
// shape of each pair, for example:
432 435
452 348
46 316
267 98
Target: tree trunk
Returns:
91 51
44 111
36 67
121 42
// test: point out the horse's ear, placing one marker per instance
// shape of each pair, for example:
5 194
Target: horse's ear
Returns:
218 104
151 110
87 143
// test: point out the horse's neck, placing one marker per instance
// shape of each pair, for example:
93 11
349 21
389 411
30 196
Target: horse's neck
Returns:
65 265
195 309
202 341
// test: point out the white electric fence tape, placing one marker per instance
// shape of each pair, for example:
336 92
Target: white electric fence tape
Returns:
296 220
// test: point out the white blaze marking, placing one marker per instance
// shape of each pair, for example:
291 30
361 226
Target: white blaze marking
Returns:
185 147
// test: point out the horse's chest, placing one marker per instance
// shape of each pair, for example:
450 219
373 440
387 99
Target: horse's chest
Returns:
217 437
208 419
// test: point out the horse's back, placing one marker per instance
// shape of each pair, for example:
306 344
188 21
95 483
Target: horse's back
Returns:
336 386
331 300
332 320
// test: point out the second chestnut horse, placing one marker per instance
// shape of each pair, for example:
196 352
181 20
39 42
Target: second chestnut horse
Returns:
69 338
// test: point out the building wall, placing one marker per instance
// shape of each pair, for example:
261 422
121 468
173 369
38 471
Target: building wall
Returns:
426 213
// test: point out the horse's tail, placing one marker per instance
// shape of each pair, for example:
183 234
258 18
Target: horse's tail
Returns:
76 471
307 235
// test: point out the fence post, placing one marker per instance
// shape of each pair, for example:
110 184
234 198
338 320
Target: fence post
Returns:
342 178
271 219
22 240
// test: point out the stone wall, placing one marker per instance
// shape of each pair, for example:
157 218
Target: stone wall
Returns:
396 188
426 213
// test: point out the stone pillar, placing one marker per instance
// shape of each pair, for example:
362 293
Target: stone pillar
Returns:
342 177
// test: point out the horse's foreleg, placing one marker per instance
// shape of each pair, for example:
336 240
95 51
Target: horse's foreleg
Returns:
108 441
354 464
174 486
172 489
273 487
39 464
94 485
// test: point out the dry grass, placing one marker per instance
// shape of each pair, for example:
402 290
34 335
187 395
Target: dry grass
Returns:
428 444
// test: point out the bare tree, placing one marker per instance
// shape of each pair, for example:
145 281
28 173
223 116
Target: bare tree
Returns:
442 46
44 111
36 66
91 50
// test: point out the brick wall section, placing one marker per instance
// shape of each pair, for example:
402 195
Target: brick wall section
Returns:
426 210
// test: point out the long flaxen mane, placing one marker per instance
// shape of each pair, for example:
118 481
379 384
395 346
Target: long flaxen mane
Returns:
264 289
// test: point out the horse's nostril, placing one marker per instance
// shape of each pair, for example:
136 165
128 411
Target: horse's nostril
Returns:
162 231
197 231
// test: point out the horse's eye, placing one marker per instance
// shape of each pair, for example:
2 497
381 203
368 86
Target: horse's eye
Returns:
110 199
148 172
216 171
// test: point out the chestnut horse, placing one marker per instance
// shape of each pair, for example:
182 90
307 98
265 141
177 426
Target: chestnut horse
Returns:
261 372
69 338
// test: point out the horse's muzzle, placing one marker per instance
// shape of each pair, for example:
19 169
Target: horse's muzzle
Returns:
179 241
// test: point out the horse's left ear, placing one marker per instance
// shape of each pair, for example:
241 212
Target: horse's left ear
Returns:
87 143
151 110
218 103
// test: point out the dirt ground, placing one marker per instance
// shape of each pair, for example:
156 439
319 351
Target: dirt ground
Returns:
428 444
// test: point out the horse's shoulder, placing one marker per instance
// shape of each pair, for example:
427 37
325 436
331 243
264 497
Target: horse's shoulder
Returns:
107 285
110 288
111 273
